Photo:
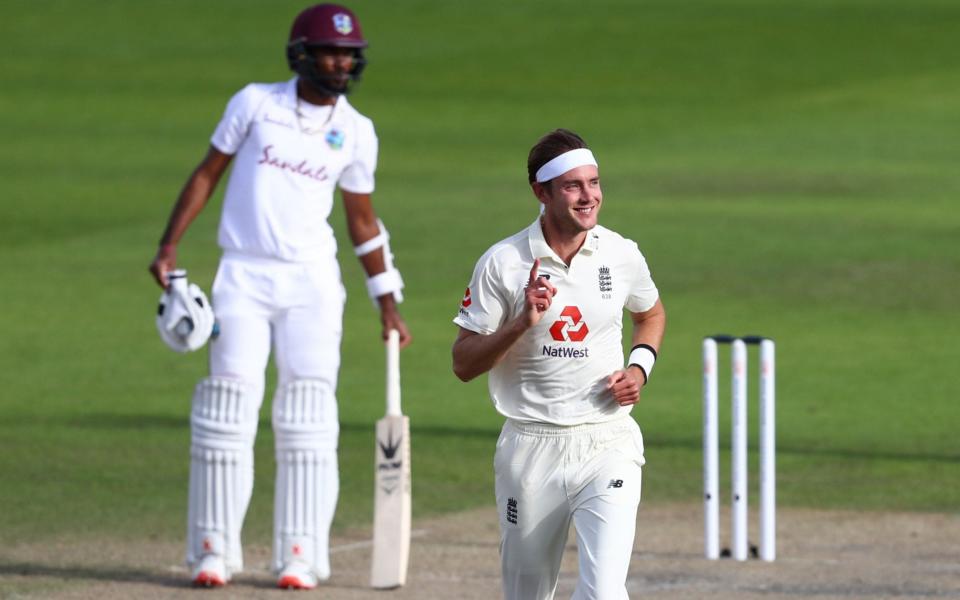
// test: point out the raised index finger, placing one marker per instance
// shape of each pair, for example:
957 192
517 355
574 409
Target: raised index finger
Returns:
533 271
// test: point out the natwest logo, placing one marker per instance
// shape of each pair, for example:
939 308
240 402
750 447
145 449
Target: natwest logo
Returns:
569 328
466 299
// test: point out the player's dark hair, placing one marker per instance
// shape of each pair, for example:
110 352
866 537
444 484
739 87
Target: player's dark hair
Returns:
551 146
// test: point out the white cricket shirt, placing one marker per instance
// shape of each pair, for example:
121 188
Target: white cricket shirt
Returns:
289 157
556 372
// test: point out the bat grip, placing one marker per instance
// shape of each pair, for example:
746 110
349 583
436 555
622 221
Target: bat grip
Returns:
393 374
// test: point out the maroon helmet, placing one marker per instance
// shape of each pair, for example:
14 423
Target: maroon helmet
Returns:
330 26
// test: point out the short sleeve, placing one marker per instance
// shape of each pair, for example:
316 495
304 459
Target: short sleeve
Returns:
235 123
483 305
358 176
643 293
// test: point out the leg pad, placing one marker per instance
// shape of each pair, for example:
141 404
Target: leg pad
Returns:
306 431
223 426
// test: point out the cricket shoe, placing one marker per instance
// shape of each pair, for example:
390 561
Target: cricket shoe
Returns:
210 572
297 576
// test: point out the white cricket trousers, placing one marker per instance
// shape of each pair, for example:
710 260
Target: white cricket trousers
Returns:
546 476
296 306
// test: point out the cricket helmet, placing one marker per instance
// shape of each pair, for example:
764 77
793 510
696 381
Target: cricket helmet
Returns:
325 26
185 318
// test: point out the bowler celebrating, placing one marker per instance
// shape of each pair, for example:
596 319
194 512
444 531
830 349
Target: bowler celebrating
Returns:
543 314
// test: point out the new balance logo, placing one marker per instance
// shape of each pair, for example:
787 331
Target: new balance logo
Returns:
615 483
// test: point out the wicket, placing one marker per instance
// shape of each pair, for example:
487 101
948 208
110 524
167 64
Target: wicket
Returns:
711 451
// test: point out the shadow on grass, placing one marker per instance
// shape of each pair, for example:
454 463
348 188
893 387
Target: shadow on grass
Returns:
118 574
114 574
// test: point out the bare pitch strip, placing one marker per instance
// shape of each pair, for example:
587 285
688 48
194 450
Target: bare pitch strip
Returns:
739 546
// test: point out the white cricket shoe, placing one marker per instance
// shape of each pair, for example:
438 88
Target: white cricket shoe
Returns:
297 576
210 572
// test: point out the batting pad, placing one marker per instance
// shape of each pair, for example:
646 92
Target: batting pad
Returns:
306 431
223 425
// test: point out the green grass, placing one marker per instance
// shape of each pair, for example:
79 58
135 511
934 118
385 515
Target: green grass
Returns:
788 169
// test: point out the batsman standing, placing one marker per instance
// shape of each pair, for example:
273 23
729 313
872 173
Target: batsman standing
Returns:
544 315
278 285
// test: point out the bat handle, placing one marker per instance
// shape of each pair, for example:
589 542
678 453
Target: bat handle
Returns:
393 374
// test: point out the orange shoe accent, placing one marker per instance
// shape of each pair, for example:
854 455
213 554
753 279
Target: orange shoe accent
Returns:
292 582
208 579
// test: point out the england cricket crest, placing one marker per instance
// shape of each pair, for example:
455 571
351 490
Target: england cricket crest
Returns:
606 279
606 282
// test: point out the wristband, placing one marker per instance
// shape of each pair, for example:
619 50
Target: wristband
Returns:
381 239
388 282
372 244
643 356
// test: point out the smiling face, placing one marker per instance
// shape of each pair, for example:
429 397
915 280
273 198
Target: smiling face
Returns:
571 201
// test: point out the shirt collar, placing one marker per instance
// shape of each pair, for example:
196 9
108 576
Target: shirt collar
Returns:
538 244
540 248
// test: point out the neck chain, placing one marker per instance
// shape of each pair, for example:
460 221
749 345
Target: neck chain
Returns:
303 116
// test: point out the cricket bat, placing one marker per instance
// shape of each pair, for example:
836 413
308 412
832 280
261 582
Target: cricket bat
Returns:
392 498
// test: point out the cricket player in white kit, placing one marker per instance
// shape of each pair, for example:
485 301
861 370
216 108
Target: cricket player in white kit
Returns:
543 314
278 285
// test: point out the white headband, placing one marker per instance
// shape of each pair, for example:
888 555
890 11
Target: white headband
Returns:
563 163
